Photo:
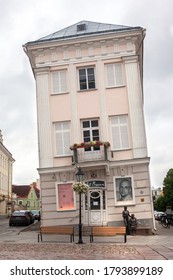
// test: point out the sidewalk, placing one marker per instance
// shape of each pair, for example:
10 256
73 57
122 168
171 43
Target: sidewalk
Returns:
25 246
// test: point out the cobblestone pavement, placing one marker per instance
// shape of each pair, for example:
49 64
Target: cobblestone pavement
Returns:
24 246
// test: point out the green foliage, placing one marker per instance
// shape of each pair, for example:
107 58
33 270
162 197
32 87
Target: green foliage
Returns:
166 200
160 204
168 188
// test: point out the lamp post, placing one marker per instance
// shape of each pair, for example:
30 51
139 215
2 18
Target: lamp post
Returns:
79 178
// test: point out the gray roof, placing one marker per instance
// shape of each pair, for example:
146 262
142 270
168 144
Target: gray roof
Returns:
83 28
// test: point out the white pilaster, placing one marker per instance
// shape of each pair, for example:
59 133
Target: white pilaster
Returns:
44 122
136 109
103 111
73 91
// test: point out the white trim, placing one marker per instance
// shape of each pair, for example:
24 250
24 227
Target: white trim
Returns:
136 114
44 121
86 76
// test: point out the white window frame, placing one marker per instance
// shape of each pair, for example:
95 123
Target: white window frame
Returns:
90 129
117 180
59 207
122 128
62 132
59 81
114 75
86 75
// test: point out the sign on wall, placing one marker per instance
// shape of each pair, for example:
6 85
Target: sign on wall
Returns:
96 184
65 197
124 192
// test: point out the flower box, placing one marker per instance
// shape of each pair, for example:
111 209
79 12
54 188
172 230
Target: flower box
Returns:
89 144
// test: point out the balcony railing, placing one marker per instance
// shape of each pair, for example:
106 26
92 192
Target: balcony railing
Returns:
81 153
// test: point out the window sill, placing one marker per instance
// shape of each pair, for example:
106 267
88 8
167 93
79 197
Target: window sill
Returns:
62 156
86 90
59 93
115 87
121 150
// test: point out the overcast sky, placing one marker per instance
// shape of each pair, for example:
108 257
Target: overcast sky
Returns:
22 21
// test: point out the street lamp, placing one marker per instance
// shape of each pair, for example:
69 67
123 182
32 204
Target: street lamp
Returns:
79 178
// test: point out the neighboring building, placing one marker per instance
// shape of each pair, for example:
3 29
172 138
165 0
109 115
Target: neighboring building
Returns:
89 87
6 171
156 193
26 197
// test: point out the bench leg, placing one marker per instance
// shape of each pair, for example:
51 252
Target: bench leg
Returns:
39 236
91 238
125 238
72 238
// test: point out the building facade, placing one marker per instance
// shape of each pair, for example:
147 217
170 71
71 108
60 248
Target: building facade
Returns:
26 197
89 90
6 168
156 193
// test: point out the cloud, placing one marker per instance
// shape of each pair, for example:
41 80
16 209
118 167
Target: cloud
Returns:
22 21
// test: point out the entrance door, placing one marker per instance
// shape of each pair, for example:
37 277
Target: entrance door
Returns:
95 211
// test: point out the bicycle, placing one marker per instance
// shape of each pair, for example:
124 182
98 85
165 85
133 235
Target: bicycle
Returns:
165 222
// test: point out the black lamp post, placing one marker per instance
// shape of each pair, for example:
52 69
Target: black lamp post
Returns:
79 178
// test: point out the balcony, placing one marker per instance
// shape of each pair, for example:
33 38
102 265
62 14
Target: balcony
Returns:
90 151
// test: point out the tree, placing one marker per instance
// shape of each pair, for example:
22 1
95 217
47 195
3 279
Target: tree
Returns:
160 204
168 188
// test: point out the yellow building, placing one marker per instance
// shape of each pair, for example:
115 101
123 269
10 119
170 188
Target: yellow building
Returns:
6 167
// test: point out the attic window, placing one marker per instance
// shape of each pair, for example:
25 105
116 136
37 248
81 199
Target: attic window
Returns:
81 27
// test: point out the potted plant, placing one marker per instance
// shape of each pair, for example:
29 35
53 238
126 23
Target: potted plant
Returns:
80 187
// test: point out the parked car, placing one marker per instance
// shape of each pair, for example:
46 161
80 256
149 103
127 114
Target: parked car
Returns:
31 216
32 219
19 218
158 215
36 214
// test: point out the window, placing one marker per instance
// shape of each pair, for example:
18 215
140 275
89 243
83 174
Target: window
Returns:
119 132
114 75
62 138
81 27
28 203
86 78
65 197
59 83
90 130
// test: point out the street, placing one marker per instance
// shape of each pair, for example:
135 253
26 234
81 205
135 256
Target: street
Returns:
6 230
21 243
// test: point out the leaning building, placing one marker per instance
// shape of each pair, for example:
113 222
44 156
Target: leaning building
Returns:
89 91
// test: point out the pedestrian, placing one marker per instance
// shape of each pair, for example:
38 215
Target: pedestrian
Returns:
126 216
133 224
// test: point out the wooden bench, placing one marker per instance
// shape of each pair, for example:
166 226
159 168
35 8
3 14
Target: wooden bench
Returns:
108 231
59 230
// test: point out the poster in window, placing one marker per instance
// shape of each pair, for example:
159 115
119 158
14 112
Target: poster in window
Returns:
123 190
65 197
